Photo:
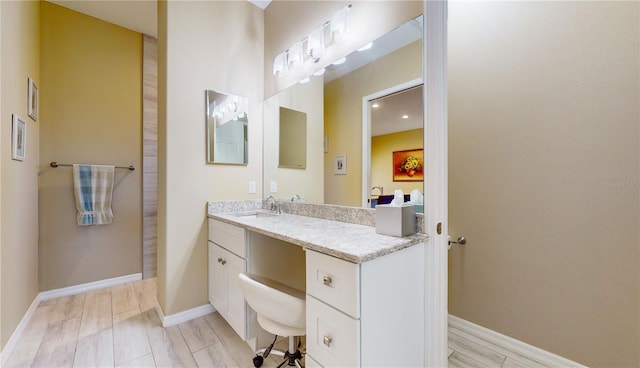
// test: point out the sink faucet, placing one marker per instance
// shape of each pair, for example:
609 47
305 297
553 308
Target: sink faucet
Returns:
275 207
379 187
295 198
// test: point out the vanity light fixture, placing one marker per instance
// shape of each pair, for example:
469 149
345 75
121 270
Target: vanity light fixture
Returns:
337 27
366 47
405 116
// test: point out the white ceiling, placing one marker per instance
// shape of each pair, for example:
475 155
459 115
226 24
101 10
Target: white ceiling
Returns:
139 15
387 117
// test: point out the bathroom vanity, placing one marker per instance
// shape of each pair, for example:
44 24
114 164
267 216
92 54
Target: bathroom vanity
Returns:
365 291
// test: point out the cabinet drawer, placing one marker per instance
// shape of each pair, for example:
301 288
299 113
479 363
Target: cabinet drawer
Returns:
310 363
333 338
228 236
334 281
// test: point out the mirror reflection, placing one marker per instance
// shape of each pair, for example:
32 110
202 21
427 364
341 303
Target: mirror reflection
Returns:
226 124
293 139
347 124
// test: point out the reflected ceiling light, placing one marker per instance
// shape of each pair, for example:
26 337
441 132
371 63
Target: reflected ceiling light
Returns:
366 47
375 105
405 116
319 72
339 61
304 80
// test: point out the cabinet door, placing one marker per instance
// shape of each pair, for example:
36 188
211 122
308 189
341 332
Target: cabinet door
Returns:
237 310
217 279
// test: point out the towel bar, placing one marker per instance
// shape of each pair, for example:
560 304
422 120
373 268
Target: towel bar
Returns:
55 164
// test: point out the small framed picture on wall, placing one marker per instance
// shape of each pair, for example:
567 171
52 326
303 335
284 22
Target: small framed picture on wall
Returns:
18 138
340 165
32 98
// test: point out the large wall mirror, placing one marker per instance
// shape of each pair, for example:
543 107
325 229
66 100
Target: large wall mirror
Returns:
226 124
339 126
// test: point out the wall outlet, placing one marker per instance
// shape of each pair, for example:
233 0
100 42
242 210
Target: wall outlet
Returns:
274 187
252 187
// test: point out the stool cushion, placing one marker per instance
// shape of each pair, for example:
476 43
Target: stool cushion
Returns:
280 308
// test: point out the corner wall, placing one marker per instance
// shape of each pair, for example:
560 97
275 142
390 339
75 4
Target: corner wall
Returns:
544 174
19 32
90 103
202 45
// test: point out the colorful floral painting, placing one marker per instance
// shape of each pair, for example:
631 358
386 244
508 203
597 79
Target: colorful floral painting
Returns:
408 165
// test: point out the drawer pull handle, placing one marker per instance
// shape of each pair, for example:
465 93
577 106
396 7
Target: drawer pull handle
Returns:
220 260
327 280
327 340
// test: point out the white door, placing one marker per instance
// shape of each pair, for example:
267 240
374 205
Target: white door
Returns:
435 140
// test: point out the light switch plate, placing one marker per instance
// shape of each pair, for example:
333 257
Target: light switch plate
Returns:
274 187
252 187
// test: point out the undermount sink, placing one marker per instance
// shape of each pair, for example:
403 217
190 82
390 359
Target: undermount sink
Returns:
255 214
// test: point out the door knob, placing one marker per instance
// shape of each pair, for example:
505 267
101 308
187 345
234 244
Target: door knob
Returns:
461 241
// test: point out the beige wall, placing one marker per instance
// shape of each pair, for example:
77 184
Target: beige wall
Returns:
343 117
382 148
307 183
19 34
544 174
287 22
202 45
91 113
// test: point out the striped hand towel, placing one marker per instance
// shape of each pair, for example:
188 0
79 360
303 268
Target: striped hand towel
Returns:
93 188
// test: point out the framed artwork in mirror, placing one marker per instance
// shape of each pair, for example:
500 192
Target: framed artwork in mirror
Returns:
32 98
18 138
408 165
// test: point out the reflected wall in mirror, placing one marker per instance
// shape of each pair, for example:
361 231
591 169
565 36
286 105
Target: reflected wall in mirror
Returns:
284 182
293 139
226 124
393 59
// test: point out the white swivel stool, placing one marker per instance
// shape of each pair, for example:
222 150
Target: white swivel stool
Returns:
280 310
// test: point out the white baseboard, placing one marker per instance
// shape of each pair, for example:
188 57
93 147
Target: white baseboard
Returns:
83 288
56 293
15 336
174 319
521 348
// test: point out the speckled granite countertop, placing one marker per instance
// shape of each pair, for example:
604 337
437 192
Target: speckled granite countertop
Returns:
352 242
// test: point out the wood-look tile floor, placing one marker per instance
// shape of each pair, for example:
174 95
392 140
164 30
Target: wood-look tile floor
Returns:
118 327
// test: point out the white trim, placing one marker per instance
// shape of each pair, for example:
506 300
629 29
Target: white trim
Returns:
82 288
17 333
546 358
434 48
189 314
56 293
366 133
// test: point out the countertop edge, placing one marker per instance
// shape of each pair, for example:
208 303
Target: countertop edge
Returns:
408 241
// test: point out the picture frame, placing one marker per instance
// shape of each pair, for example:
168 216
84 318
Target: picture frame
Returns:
18 138
340 165
32 100
408 165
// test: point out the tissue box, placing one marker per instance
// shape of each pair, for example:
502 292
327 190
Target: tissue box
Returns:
396 220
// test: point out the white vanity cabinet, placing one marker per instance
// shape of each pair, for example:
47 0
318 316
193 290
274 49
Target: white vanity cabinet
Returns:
227 258
366 315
